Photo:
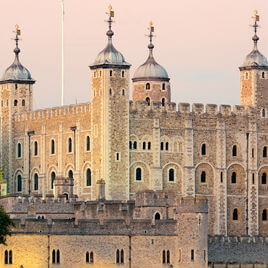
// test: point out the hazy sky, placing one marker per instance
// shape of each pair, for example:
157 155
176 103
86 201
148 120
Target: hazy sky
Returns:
200 43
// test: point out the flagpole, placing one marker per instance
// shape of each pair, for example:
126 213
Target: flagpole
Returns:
62 54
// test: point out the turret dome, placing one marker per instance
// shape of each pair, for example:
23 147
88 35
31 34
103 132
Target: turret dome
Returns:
16 72
255 58
150 70
109 55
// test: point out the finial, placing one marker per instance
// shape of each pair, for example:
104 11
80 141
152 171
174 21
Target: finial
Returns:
110 33
256 18
150 35
18 33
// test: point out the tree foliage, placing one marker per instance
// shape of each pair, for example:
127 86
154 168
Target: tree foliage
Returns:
5 226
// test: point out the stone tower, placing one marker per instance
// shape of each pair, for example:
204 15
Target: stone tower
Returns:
16 88
254 77
192 224
110 120
150 80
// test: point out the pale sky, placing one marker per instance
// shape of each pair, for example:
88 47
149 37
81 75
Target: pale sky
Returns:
200 43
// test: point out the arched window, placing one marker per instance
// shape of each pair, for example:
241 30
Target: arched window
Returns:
35 181
233 177
53 256
6 257
162 146
264 178
203 176
117 256
70 146
88 177
91 257
192 255
264 151
19 150
163 86
246 75
10 257
171 174
235 214
203 149
15 102
123 92
221 177
23 103
70 174
253 178
263 75
111 73
19 183
110 92
149 145
166 146
58 256
234 151
148 86
52 147
164 257
168 257
35 148
157 216
88 143
123 73
122 256
163 101
264 215
135 145
87 257
148 101
263 113
144 145
138 174
52 176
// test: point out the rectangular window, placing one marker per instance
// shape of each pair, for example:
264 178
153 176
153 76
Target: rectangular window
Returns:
117 157
192 255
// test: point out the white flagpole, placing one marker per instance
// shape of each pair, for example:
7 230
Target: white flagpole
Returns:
62 54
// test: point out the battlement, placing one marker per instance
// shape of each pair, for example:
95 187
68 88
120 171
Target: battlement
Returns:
54 112
22 204
192 205
238 239
193 109
150 198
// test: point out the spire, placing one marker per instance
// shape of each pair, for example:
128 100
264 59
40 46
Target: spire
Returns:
110 13
150 35
255 38
17 50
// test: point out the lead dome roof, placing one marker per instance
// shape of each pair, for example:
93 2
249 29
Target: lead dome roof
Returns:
150 70
16 72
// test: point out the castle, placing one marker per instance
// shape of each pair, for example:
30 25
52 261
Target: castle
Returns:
142 183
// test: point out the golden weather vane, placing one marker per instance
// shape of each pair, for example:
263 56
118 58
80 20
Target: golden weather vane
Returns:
256 16
17 29
111 12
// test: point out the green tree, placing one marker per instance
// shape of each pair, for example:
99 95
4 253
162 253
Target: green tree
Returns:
5 226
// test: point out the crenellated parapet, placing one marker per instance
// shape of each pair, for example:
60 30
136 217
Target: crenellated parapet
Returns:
195 109
55 112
